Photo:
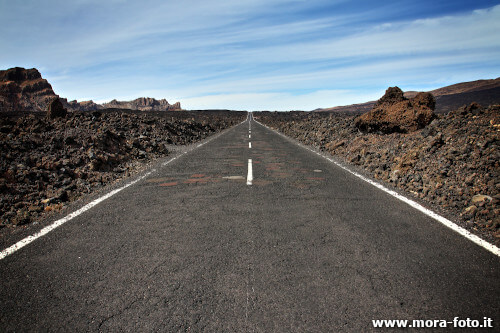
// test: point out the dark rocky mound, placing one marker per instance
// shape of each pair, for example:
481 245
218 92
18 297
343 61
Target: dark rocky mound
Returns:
395 113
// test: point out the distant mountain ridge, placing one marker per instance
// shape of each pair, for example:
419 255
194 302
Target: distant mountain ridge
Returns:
81 106
25 90
484 92
144 104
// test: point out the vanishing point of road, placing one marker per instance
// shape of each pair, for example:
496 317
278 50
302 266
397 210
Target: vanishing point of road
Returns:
248 232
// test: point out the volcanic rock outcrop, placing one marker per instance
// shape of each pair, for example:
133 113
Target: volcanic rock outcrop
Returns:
395 113
24 90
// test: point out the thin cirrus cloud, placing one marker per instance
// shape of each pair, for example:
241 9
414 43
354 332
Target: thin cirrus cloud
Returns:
249 54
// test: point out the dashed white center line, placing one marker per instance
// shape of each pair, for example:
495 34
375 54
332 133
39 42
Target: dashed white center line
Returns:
249 136
249 145
250 173
234 177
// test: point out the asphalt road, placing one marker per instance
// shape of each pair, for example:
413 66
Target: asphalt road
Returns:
307 247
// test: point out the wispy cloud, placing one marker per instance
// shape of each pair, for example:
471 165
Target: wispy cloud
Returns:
249 54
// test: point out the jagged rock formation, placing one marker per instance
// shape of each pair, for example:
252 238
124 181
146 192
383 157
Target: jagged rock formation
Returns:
176 106
395 113
81 106
144 104
24 90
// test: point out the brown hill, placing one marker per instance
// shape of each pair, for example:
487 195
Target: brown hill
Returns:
484 92
459 88
351 109
485 97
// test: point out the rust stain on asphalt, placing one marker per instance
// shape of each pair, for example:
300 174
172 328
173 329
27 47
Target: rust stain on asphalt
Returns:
159 180
204 180
198 175
169 184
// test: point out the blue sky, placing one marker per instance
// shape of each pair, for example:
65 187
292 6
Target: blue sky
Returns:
250 54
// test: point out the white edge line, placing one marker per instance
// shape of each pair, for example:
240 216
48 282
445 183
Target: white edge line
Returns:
465 233
25 241
250 172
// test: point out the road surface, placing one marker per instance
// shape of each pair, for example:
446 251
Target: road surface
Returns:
205 245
